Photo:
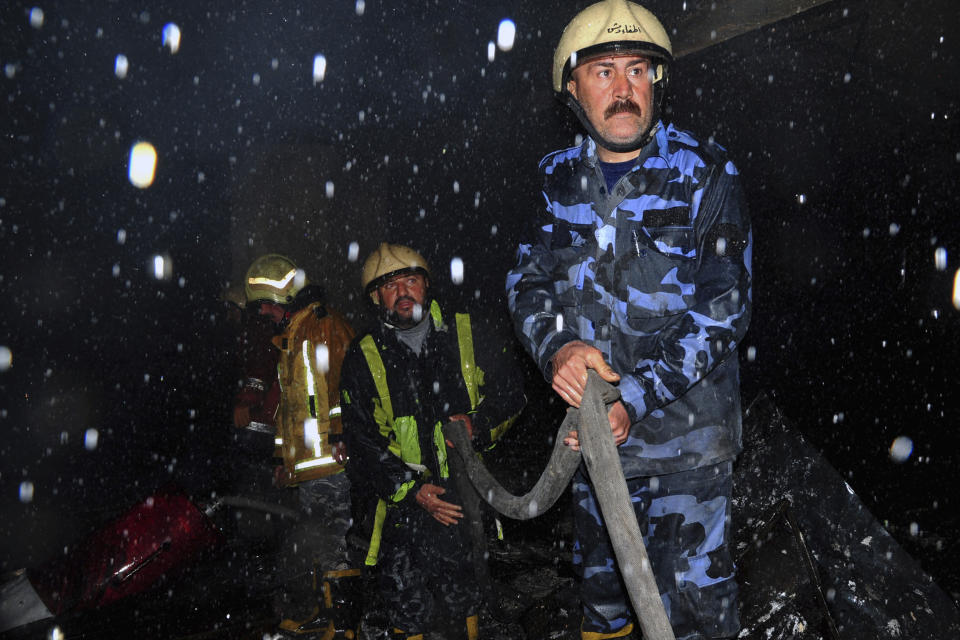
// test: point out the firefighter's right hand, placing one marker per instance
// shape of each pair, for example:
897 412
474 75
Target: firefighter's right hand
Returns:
446 513
241 416
570 364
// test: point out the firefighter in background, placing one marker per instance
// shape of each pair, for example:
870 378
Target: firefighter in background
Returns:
401 382
302 403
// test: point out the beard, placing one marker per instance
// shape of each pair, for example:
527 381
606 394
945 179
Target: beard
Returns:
394 319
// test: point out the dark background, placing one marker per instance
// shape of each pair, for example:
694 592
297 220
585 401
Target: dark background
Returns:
843 121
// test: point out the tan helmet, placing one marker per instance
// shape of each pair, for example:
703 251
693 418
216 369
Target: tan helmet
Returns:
612 27
274 278
387 261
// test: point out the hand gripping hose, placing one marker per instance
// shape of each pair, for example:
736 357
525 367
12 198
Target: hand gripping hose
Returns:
603 465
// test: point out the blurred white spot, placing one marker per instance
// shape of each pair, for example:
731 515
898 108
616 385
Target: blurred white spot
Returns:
121 236
801 198
940 259
162 267
256 79
914 529
532 508
491 51
57 634
311 434
353 252
559 324
493 230
894 228
323 358
456 186
120 66
90 439
456 270
846 78
751 354
901 449
36 17
143 164
26 491
329 188
6 358
956 290
300 278
319 68
116 271
10 70
274 64
171 37
360 7
770 79
361 115
506 34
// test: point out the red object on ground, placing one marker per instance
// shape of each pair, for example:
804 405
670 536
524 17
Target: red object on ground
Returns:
156 537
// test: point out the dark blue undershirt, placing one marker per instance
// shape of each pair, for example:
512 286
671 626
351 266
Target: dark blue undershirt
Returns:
613 171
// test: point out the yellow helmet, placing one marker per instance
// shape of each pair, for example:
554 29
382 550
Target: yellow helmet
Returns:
387 261
606 28
274 278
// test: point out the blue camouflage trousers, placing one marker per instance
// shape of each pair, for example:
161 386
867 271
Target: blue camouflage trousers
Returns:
685 521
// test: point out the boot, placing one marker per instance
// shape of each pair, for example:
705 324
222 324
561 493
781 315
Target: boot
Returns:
623 634
473 627
337 615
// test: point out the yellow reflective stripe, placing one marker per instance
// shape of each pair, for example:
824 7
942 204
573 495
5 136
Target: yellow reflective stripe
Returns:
277 284
336 411
407 443
501 428
379 373
435 314
373 552
313 462
401 493
441 445
468 364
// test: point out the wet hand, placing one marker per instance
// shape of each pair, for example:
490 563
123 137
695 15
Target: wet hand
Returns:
570 366
446 513
619 427
466 420
339 452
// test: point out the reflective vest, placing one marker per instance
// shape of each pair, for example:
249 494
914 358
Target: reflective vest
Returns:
311 353
405 442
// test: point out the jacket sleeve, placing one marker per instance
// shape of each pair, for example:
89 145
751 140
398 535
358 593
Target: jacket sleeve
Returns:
695 342
531 295
501 387
371 463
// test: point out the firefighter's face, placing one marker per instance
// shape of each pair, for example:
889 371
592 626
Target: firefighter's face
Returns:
616 92
402 298
273 311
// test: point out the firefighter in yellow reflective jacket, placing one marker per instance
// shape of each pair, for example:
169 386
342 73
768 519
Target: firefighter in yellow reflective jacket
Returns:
311 341
417 370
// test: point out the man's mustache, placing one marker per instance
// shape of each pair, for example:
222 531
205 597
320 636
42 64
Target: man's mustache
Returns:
401 299
622 106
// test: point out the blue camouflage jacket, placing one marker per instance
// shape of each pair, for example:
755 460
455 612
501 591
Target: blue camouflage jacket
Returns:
657 275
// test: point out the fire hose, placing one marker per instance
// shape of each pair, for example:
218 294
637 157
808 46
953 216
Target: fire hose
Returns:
603 466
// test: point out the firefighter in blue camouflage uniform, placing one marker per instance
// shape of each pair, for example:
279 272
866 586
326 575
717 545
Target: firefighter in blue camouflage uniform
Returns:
419 368
640 268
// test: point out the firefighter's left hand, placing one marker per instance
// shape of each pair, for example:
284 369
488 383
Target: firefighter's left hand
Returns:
466 420
340 452
446 513
619 426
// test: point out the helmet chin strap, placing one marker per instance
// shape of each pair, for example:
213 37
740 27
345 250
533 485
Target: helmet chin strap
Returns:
617 147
